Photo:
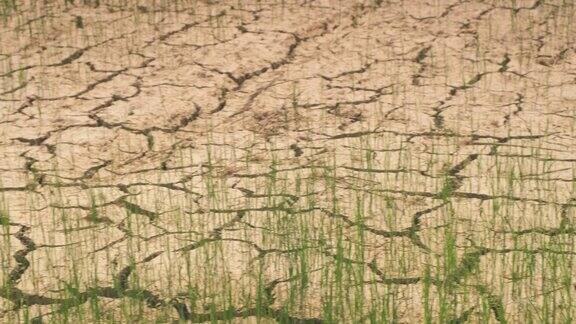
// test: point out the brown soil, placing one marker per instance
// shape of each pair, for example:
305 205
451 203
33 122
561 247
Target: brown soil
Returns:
194 144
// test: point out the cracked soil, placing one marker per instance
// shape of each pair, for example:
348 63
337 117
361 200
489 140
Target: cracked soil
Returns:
312 161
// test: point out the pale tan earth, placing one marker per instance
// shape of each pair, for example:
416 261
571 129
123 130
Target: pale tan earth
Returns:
166 159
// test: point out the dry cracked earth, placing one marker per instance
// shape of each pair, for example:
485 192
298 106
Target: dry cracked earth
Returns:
287 161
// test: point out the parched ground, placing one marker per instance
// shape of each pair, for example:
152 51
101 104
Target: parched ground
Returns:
290 161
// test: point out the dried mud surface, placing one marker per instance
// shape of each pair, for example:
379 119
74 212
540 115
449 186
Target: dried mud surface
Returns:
155 153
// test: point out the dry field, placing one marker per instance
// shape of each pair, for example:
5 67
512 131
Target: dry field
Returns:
311 161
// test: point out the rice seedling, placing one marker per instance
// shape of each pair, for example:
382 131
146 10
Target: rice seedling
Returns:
287 161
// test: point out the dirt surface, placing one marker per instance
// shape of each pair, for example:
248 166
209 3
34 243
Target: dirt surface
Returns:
198 157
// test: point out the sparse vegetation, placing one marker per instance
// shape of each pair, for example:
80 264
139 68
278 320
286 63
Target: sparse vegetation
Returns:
287 161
